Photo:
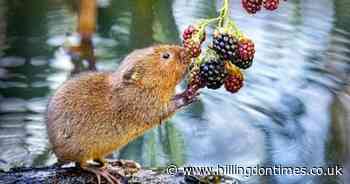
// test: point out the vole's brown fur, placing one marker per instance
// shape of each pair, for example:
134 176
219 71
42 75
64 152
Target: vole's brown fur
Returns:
93 114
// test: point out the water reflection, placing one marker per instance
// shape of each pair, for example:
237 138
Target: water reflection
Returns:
2 28
282 116
24 87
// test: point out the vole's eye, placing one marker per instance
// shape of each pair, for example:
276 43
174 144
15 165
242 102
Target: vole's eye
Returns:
166 55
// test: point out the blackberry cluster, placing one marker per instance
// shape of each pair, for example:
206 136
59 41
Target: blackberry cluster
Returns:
229 52
225 44
213 72
221 63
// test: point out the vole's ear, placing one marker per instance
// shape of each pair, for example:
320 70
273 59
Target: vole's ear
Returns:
133 75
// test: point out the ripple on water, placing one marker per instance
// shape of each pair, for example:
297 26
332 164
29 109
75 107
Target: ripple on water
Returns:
10 105
38 61
11 62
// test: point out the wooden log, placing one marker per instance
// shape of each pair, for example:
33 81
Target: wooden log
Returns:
74 175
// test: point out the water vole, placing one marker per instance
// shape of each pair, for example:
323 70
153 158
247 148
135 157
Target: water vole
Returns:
96 113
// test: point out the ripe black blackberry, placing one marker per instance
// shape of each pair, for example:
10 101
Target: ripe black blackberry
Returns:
225 44
213 72
243 64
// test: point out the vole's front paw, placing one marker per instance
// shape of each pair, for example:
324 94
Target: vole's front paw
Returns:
185 98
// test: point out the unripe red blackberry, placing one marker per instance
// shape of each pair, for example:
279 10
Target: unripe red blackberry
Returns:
234 81
190 32
245 53
225 44
252 6
193 48
213 72
195 80
271 4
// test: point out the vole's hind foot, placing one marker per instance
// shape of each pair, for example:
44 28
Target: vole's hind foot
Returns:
129 167
104 173
101 162
59 164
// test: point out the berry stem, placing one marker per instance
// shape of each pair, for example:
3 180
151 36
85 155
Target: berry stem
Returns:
204 23
202 26
224 13
225 19
233 25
